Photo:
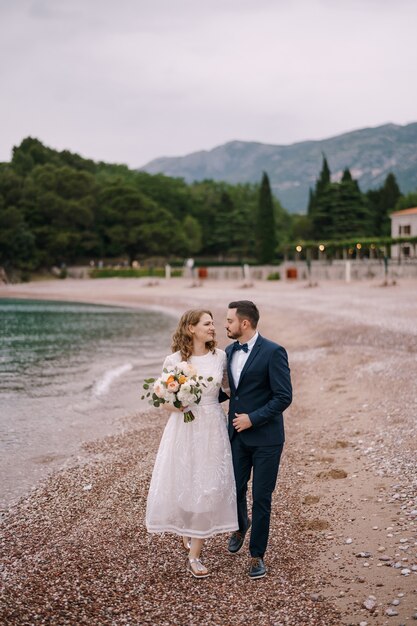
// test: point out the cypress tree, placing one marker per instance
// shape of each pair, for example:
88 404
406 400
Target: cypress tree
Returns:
338 210
351 217
265 225
324 178
347 176
381 203
323 218
390 194
311 202
321 203
320 187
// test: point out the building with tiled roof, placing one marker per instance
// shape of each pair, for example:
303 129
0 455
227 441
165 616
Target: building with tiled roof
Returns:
404 224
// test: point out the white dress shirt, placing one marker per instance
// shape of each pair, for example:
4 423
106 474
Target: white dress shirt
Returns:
239 359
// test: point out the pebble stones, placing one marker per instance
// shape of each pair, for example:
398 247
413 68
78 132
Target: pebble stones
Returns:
391 612
76 556
317 597
370 604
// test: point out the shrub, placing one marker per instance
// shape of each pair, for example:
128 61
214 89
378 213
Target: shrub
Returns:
126 272
274 276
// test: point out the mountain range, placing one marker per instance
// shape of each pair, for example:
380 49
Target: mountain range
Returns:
369 153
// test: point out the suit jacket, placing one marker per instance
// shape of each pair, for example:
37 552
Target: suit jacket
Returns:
264 391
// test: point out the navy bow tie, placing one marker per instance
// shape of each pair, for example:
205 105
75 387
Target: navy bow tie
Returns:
240 346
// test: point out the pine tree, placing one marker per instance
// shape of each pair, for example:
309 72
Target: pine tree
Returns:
407 202
265 225
222 226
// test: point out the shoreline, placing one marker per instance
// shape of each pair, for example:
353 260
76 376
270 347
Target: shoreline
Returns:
79 387
349 440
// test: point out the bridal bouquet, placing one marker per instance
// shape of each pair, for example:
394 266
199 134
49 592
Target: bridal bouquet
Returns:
178 385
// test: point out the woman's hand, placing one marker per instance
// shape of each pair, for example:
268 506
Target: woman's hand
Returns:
181 409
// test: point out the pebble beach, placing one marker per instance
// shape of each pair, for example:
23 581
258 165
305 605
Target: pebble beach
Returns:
343 542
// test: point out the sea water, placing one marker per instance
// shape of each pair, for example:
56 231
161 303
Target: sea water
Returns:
69 373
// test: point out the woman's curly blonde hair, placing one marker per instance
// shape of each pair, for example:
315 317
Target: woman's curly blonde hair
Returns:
182 339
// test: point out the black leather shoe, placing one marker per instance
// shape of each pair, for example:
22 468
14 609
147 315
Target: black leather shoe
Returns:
237 540
257 568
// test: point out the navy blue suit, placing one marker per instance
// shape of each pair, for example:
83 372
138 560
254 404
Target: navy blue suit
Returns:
264 391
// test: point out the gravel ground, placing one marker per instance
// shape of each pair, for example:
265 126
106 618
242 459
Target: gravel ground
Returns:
76 552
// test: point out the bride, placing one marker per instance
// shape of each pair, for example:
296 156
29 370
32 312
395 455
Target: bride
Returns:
192 491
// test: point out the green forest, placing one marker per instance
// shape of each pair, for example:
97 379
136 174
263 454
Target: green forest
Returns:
59 209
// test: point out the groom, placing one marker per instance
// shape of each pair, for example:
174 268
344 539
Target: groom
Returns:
260 386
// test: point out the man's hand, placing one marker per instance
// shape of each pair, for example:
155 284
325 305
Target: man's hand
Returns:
242 422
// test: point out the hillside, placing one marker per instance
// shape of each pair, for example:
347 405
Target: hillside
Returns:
370 153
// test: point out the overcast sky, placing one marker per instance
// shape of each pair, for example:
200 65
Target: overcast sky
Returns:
129 80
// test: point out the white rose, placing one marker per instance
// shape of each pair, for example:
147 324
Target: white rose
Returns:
187 369
185 395
160 389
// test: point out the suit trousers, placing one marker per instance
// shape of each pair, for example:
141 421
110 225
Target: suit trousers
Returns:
264 461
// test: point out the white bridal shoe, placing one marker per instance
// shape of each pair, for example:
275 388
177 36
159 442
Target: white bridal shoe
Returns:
197 569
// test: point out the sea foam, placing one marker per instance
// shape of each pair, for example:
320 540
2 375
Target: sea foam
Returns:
103 385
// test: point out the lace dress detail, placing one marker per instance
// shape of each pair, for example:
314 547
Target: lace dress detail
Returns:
192 491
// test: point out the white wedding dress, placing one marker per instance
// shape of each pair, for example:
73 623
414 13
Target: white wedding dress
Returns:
192 491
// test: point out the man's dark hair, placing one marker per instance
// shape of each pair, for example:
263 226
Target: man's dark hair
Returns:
246 310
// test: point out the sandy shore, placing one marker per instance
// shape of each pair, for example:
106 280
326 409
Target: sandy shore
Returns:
345 511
